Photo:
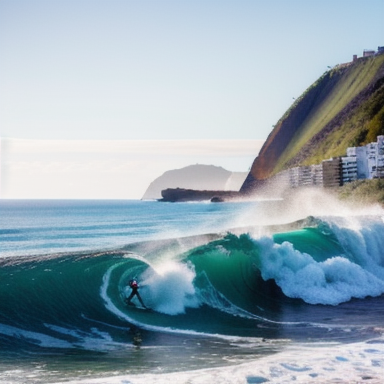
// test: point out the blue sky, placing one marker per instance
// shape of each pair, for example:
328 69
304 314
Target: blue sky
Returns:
121 69
168 70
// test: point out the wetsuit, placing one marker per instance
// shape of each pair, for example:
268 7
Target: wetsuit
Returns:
135 291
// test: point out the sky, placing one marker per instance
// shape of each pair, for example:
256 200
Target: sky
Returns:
80 78
108 169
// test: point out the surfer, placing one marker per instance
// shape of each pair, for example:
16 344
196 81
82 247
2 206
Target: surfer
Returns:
135 291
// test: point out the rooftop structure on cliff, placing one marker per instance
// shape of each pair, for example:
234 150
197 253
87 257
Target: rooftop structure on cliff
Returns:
370 52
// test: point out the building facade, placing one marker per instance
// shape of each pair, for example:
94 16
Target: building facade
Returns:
366 162
332 172
368 52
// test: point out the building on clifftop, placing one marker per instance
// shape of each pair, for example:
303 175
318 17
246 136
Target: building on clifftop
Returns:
368 52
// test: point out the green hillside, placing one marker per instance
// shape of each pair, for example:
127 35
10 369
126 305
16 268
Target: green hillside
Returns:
354 124
363 192
343 108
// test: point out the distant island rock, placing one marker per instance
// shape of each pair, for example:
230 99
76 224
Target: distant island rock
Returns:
195 177
178 195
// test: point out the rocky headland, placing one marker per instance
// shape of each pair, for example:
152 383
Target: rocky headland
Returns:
196 178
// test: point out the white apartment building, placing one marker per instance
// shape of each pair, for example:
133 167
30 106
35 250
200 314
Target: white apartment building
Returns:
365 162
349 169
311 175
378 168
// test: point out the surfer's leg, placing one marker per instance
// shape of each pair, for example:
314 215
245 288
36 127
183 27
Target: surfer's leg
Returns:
129 298
141 301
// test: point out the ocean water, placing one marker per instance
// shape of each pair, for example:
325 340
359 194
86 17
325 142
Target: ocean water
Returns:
251 292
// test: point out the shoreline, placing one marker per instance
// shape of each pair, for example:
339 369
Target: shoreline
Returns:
360 192
326 363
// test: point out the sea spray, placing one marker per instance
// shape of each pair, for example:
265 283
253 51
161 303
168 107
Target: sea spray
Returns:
363 240
170 288
336 280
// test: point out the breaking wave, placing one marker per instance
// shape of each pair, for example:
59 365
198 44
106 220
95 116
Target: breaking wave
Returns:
235 286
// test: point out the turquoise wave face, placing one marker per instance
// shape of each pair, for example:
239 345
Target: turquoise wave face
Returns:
231 286
54 302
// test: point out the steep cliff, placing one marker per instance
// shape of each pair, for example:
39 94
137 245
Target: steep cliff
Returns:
343 108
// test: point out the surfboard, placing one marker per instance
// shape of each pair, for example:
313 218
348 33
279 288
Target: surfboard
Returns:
133 306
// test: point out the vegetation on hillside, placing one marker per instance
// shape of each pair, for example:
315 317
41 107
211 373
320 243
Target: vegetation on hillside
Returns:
363 191
343 108
358 128
352 114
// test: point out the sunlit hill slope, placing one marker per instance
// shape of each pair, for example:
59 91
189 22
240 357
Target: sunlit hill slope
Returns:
343 108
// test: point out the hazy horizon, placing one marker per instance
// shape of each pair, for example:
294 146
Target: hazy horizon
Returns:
108 169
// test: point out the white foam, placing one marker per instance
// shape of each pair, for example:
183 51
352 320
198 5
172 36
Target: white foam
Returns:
363 240
322 363
331 282
169 288
34 337
95 340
